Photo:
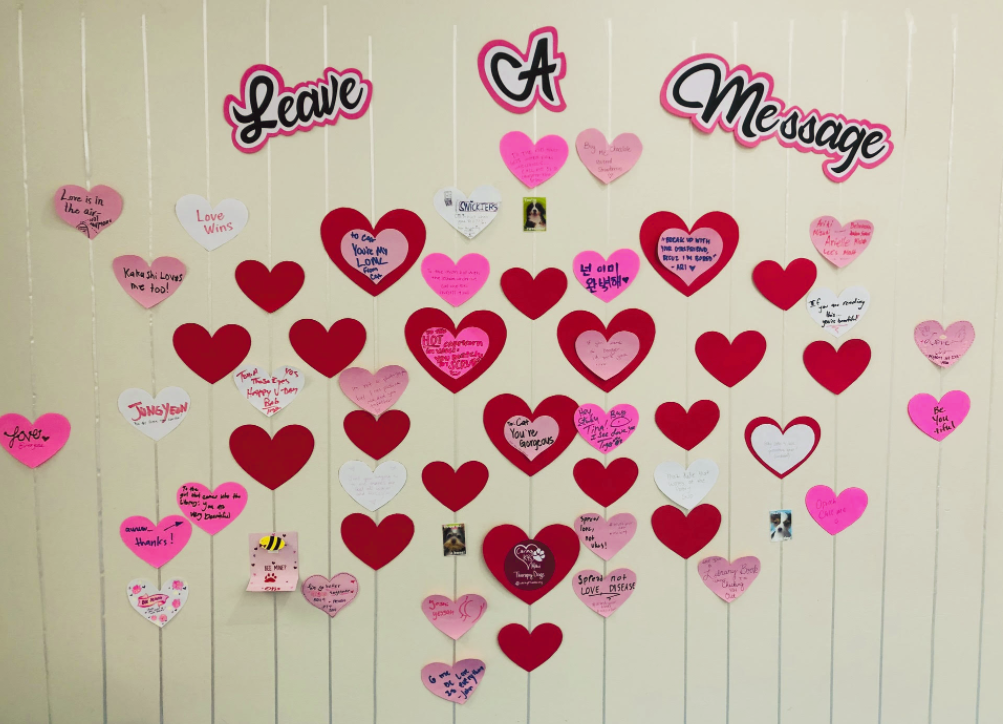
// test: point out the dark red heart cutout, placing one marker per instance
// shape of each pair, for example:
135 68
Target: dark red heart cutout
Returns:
784 287
837 370
271 460
629 320
529 650
661 221
804 420
534 297
502 408
605 485
270 290
730 362
377 437
685 534
428 318
560 539
341 221
687 429
455 488
328 351
211 357
376 544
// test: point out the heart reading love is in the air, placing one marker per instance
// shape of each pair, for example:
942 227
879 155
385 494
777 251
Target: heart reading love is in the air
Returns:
88 211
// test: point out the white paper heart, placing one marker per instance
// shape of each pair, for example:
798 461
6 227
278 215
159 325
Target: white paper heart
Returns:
157 607
838 315
269 393
470 216
781 451
372 489
211 227
154 417
686 486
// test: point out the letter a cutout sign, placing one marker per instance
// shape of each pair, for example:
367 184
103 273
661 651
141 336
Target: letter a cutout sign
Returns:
517 81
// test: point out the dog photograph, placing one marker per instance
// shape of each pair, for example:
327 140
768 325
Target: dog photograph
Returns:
535 214
780 525
454 540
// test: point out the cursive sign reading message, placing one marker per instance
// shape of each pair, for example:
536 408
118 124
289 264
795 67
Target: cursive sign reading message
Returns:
269 393
89 212
840 244
148 284
838 315
374 256
606 431
531 437
604 537
330 596
728 580
604 594
455 355
212 510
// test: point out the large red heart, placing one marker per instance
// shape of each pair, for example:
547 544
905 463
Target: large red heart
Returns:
455 489
560 539
328 351
837 370
503 408
534 297
377 437
376 544
211 357
605 485
730 362
271 460
529 650
428 318
341 221
270 290
686 534
784 287
687 429
659 221
629 320
795 451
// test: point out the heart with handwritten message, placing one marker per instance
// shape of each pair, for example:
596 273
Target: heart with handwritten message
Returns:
89 212
782 450
605 278
454 488
158 606
604 594
607 161
379 436
688 255
533 163
372 489
529 568
687 428
837 315
148 284
730 362
455 355
455 283
606 355
606 358
529 650
784 287
685 534
454 618
376 544
835 513
728 580
32 443
686 486
269 289
534 296
531 437
937 418
155 543
605 484
375 393
840 244
942 346
604 537
211 356
375 260
456 682
211 227
212 510
606 431
328 350
154 416
688 258
330 595
374 256
272 461
269 393
502 416
836 369
468 215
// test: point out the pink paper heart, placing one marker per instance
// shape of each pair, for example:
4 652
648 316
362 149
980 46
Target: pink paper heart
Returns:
939 419
606 432
607 358
330 596
212 510
32 443
454 618
840 244
148 284
607 161
89 212
531 437
728 580
944 347
374 256
688 255
375 393
455 283
604 537
454 683
533 163
604 595
155 543
604 278
455 355
835 512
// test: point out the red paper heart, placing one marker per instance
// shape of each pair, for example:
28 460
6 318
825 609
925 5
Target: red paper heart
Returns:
376 544
605 485
659 221
686 534
784 287
529 650
629 320
730 362
837 370
560 539
341 221
427 318
212 357
687 429
271 460
804 420
502 408
534 297
270 290
455 489
328 351
377 437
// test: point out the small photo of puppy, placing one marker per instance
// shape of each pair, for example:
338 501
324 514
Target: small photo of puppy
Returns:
536 214
454 540
780 525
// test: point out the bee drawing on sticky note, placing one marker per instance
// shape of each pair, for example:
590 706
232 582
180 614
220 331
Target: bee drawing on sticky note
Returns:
272 543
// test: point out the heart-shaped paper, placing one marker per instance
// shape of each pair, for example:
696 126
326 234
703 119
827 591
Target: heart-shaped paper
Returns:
782 451
534 296
686 486
454 618
942 346
469 216
269 393
211 227
379 436
606 278
731 362
32 443
604 594
337 229
154 417
835 369
455 355
607 161
728 580
604 537
837 315
89 212
376 544
605 485
454 489
328 351
606 431
155 543
455 283
837 243
272 461
531 437
530 650
148 284
687 428
689 255
372 489
504 408
212 510
375 393
455 683
607 358
330 596
374 256
529 568
211 357
688 259
533 163
835 513
157 606
269 289
938 419
784 287
685 535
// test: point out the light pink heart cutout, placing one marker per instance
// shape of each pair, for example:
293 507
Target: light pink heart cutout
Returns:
148 284
605 278
727 580
604 537
32 443
939 419
531 437
607 358
454 618
840 244
89 212
607 161
606 432
455 283
604 595
454 683
832 512
455 356
330 596
375 393
155 543
688 255
374 256
212 510
533 163
944 347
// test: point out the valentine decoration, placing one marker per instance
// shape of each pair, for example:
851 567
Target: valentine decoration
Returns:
942 346
88 211
148 284
455 355
604 594
838 243
512 428
728 580
328 351
784 287
454 488
330 595
374 392
605 278
835 513
685 535
533 163
32 443
454 618
377 437
606 431
154 416
155 543
274 559
686 486
454 683
212 510
688 258
158 606
272 461
373 258
730 362
211 356
372 489
837 315
607 161
534 296
936 418
687 428
517 80
468 215
835 369
376 544
269 393
606 355
604 537
269 289
211 227
455 283
530 650
529 568
782 450
605 485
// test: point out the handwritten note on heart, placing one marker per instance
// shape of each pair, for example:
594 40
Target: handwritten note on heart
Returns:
604 594
469 216
148 284
942 346
782 451
838 315
604 537
728 580
330 596
605 278
840 244
938 419
835 513
375 393
269 393
686 486
454 683
154 417
89 212
606 432
455 283
32 443
372 489
607 161
689 255
155 543
212 510
533 163
454 618
606 358
531 437
158 606
211 227
374 256
455 355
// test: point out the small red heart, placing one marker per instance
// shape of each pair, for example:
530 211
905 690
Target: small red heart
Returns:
455 489
534 297
271 460
529 650
629 320
377 437
837 370
605 485
328 351
560 539
270 290
730 362
428 318
687 429
502 408
659 221
686 534
341 221
376 544
784 287
212 357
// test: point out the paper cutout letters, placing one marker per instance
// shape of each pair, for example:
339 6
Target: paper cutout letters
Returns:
728 580
269 393
840 244
372 489
330 596
835 513
155 543
782 451
148 284
211 227
605 278
604 594
838 315
607 161
154 417
89 212
455 283
686 486
212 510
273 567
454 683
606 432
375 393
454 618
516 81
939 418
533 163
942 346
157 607
32 443
468 215
604 537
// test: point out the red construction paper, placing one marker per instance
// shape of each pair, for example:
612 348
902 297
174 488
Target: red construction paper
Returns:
534 297
684 534
560 539
635 321
429 318
687 429
328 351
784 287
341 221
836 369
376 544
502 408
530 650
455 488
212 357
377 437
659 221
269 289
730 362
605 485
271 461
